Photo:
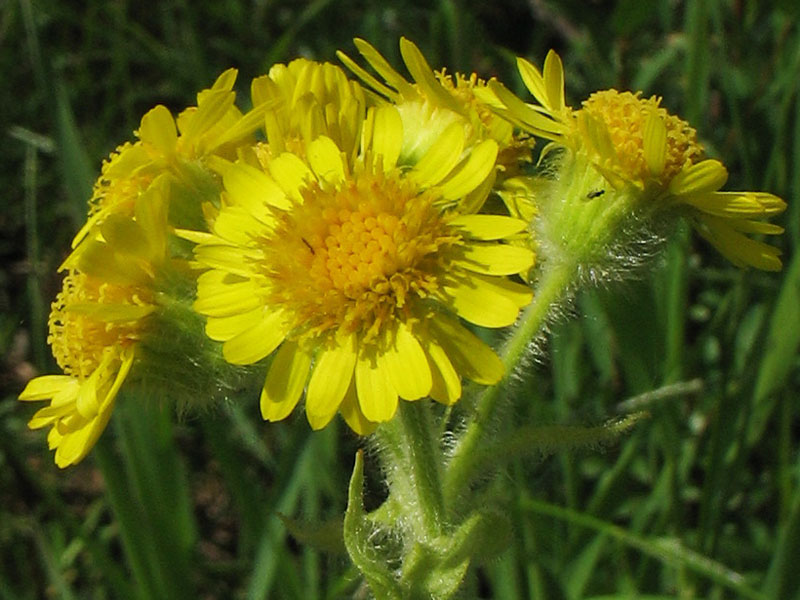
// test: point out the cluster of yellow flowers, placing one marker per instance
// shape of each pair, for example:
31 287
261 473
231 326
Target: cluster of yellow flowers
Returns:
346 230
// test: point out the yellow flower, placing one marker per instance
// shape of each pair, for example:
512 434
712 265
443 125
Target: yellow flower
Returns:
306 99
434 101
215 127
351 271
95 324
636 145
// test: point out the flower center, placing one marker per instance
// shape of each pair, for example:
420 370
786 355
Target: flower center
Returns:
624 115
78 337
351 257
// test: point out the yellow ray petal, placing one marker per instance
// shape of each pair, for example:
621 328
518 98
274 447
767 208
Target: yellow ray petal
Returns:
291 174
44 417
407 366
737 204
222 329
553 75
441 158
238 226
252 189
124 368
705 176
157 129
376 394
472 172
215 104
73 447
469 355
329 381
368 79
445 381
243 127
151 213
352 414
46 386
253 344
527 118
325 159
231 259
385 70
98 260
285 382
489 227
496 259
655 143
226 79
484 302
125 235
423 75
225 299
198 237
533 80
738 248
387 135
747 226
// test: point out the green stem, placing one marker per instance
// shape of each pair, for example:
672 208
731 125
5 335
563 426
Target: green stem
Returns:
413 457
550 290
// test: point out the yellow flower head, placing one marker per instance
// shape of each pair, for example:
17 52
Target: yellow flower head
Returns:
435 101
351 272
307 99
215 127
635 144
95 324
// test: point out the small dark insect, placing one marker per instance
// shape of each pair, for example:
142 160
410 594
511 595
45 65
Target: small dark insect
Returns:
595 194
307 244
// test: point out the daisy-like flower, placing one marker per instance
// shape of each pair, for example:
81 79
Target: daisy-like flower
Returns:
95 324
645 154
307 99
434 101
350 272
215 127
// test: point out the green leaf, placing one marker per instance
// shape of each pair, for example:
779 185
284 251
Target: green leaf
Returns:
780 351
357 530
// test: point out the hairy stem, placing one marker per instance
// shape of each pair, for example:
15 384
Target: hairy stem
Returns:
550 290
412 457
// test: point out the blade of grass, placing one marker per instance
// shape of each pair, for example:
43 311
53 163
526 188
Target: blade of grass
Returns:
51 567
783 577
148 492
156 472
38 319
698 65
667 551
779 351
292 476
77 173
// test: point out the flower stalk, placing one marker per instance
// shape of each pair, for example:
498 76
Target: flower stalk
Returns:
552 288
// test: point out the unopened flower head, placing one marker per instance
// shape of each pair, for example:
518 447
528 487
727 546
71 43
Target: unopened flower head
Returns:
645 156
434 101
351 271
